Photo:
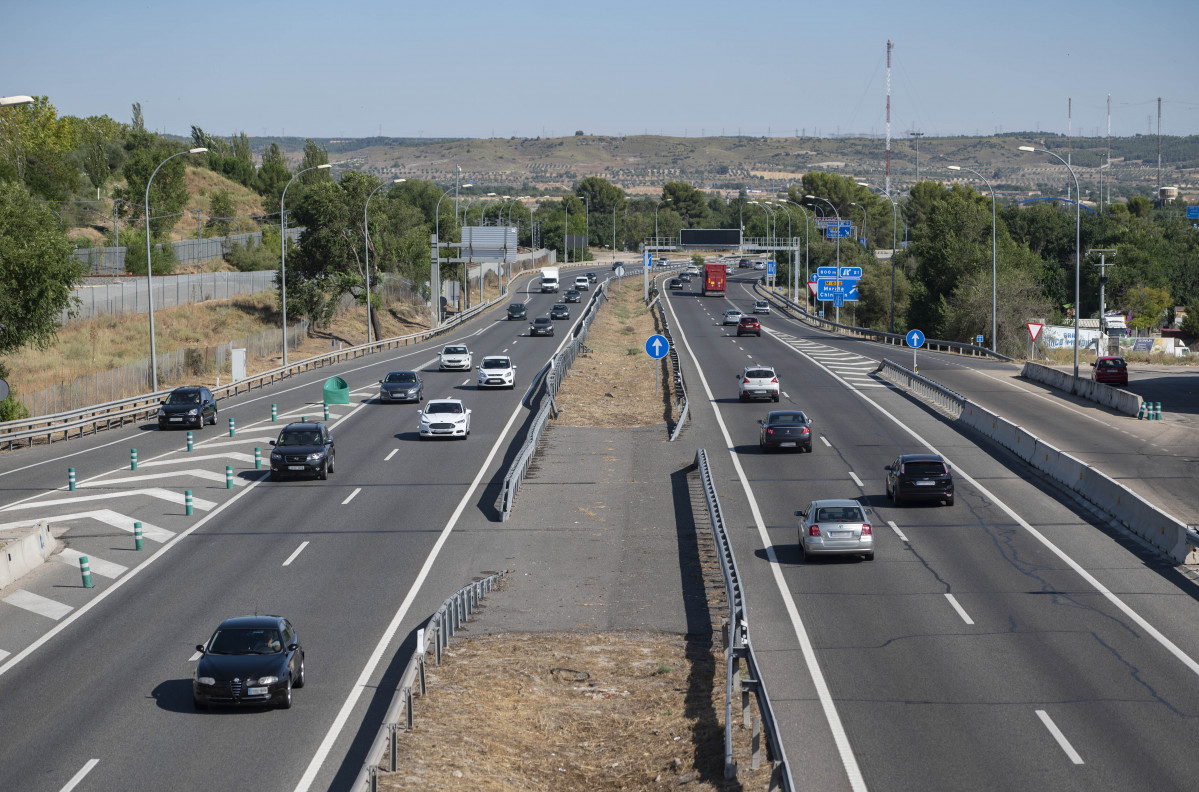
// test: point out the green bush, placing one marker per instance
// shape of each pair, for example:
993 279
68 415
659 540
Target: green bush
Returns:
162 257
252 257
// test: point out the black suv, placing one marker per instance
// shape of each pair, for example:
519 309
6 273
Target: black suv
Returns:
192 405
303 449
913 477
518 311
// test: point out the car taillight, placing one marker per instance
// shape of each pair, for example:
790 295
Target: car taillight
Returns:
814 530
866 530
745 381
774 380
769 431
805 430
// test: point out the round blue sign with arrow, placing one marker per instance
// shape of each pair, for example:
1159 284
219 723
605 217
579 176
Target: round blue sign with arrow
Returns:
915 339
656 346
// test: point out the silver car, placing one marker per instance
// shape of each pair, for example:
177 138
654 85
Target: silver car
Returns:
761 307
454 356
835 527
732 316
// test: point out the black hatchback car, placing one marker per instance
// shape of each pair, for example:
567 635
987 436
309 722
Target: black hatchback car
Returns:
303 449
192 405
518 311
249 660
542 326
560 311
915 477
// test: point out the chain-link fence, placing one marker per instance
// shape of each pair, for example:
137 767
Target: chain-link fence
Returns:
111 260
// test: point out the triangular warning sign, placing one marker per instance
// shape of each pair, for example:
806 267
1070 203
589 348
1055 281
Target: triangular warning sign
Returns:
1034 329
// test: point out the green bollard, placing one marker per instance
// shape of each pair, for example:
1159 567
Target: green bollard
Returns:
71 479
326 412
274 412
304 419
187 500
190 446
137 536
257 458
133 459
1157 411
86 570
232 428
228 476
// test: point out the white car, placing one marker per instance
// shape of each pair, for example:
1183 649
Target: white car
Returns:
758 382
496 371
454 356
761 307
732 316
759 265
582 283
444 418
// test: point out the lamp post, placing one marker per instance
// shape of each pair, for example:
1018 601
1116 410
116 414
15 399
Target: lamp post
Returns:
1077 243
994 320
149 268
15 101
367 233
807 229
838 241
283 249
437 236
790 257
894 223
864 209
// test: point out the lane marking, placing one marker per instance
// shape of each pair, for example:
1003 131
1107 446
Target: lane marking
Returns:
106 516
1061 738
351 496
957 607
36 603
4 654
153 492
856 480
824 440
98 566
898 532
298 550
74 782
394 451
207 475
195 656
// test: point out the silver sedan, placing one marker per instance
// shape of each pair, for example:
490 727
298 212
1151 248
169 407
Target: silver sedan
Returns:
835 527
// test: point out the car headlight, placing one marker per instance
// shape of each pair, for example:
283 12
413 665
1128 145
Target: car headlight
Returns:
206 680
268 680
316 456
276 455
162 413
192 411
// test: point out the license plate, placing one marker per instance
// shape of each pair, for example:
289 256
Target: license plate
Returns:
925 483
176 420
787 444
758 392
840 534
258 691
295 467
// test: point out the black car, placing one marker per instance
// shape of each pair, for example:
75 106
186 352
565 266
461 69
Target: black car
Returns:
249 660
560 311
542 326
675 283
303 449
685 277
592 277
401 386
913 477
574 295
518 311
192 405
785 429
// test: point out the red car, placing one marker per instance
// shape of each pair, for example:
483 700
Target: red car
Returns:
749 325
1110 371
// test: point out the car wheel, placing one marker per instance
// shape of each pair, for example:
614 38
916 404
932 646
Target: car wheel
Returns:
332 461
274 477
301 679
949 501
894 496
323 473
803 550
870 556
775 397
285 701
741 396
214 417
198 705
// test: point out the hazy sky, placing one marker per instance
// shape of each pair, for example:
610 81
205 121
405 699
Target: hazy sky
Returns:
534 67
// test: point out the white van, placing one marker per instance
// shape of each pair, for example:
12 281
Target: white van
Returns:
582 283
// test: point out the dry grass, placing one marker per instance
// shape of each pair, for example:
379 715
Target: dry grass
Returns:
552 711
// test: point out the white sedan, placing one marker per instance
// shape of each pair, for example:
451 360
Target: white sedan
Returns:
732 316
454 356
496 371
444 418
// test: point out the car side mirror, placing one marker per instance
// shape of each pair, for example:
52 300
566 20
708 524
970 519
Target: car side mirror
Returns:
292 647
200 648
887 468
760 422
380 382
272 442
800 513
1092 365
868 510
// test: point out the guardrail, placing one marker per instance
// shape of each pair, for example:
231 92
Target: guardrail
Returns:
680 391
442 626
895 339
104 416
738 648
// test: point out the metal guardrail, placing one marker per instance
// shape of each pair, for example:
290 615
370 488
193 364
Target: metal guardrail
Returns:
118 413
442 626
680 391
895 339
951 401
738 648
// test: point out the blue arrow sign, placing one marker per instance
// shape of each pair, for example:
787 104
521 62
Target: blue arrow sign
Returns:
828 290
837 232
656 346
838 300
850 273
647 260
915 339
978 340
770 267
826 272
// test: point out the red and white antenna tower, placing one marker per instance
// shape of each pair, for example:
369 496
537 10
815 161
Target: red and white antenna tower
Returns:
888 115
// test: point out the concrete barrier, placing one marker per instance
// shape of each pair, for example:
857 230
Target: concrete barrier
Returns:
23 549
1120 400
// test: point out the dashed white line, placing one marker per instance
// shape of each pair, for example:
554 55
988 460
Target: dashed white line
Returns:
74 782
856 480
1061 738
785 396
824 440
298 550
394 451
898 532
4 654
98 566
195 656
351 495
36 603
957 607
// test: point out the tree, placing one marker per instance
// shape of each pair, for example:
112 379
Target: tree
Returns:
605 197
162 254
314 155
37 271
221 210
168 192
36 149
1148 306
271 178
687 202
1190 322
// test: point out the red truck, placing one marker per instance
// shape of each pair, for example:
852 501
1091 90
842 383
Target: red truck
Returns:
714 277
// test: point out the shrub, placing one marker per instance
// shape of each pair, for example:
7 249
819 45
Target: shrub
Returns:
252 257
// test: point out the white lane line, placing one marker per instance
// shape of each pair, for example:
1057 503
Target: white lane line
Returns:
182 460
1061 738
957 607
4 654
824 440
898 532
101 567
36 603
207 475
785 396
394 451
351 496
153 492
465 383
298 550
195 656
106 516
74 782
856 480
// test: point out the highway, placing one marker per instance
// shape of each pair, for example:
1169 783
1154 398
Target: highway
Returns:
1006 642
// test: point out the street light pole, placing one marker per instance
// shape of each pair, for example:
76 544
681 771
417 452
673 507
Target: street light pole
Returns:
283 249
149 267
994 319
838 241
806 260
1077 243
367 234
437 254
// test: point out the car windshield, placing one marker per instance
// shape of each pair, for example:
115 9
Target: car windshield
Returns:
560 307
1112 364
243 640
845 514
786 418
184 397
516 307
760 304
759 373
924 468
452 408
299 437
454 350
497 363
541 320
401 377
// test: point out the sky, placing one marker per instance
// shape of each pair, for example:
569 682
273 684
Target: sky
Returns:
621 67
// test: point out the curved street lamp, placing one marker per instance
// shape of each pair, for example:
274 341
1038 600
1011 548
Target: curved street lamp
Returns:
994 321
1077 243
807 229
894 223
838 215
367 234
149 268
437 247
283 249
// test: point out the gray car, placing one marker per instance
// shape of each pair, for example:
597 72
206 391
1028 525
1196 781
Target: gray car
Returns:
401 386
835 527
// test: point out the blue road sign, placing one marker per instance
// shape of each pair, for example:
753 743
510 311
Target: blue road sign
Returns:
647 260
1193 213
915 339
850 273
829 289
838 231
826 272
838 300
771 268
656 346
978 340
